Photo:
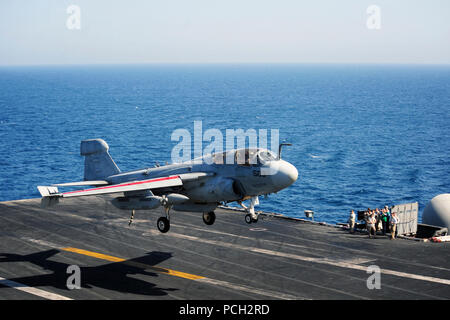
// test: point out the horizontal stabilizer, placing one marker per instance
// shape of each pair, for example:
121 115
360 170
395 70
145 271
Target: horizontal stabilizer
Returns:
48 191
50 196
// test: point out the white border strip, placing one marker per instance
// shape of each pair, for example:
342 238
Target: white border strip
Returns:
31 290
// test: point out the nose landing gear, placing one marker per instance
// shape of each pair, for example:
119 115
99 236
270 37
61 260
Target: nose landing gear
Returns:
250 219
251 216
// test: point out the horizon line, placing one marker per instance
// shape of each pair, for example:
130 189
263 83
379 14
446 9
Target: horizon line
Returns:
222 63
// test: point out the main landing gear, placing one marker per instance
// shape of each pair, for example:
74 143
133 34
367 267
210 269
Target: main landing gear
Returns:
163 223
209 217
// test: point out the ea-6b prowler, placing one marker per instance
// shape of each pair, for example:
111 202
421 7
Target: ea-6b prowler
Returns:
199 185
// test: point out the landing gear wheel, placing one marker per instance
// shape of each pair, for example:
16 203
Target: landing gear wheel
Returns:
209 217
163 224
249 219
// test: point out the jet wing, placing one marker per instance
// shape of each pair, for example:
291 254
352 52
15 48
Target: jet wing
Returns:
155 183
82 183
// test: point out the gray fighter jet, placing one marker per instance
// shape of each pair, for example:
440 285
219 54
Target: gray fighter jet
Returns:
199 185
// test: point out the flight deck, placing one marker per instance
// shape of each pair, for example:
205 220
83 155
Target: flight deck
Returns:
44 252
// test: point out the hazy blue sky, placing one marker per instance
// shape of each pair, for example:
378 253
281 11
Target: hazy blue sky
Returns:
145 31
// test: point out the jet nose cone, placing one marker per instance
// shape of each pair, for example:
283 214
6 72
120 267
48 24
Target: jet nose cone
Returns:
290 172
286 175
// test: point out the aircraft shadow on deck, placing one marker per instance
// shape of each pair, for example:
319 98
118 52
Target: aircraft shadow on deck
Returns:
111 276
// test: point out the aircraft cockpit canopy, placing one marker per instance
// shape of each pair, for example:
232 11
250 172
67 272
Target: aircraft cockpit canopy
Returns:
244 157
266 155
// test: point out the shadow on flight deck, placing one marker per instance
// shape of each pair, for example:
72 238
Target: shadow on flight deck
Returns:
112 276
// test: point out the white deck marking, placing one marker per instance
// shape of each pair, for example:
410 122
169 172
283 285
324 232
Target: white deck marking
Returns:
262 292
34 291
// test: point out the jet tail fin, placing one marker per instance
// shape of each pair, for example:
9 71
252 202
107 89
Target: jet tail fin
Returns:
98 164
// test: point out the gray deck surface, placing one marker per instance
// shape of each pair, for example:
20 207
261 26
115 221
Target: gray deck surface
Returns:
272 259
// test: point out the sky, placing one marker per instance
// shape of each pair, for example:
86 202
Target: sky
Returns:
42 32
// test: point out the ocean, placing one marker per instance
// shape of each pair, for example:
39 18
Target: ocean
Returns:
363 135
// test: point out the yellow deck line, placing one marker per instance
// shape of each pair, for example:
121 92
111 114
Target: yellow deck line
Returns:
94 254
134 263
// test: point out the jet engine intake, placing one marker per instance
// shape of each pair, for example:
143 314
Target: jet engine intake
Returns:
216 189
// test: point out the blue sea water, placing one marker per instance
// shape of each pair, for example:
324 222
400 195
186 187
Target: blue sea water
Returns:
363 135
